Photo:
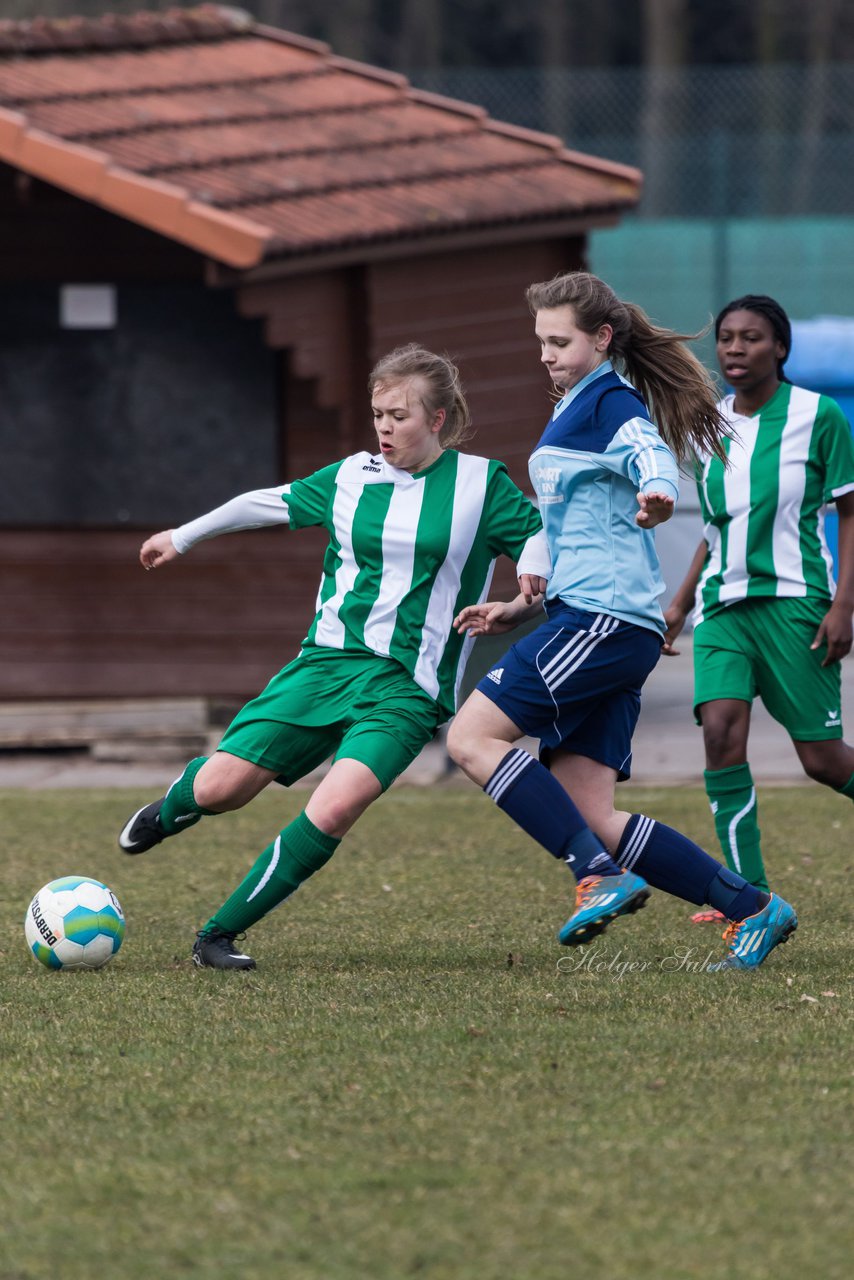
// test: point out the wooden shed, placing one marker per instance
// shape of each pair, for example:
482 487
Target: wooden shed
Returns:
209 230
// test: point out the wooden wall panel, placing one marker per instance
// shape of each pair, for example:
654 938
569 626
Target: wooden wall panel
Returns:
310 438
472 305
83 619
320 320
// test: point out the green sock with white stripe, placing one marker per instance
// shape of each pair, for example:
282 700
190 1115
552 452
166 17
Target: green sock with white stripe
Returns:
296 853
179 809
732 797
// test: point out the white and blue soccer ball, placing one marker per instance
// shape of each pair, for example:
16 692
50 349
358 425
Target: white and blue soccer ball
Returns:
74 923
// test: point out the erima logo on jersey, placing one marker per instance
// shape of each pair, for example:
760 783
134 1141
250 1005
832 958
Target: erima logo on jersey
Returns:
495 676
373 465
832 720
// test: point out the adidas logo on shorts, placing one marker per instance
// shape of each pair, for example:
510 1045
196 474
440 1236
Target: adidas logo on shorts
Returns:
495 676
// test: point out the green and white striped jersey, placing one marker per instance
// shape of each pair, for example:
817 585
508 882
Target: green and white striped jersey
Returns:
405 553
764 514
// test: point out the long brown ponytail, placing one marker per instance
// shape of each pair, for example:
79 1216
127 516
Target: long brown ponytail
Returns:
678 389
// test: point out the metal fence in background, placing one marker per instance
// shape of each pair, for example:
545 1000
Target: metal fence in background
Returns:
752 141
748 188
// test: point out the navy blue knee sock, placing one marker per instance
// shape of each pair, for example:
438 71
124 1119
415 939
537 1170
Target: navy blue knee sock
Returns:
672 862
536 802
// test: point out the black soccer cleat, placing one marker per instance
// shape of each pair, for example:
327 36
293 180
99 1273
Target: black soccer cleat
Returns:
215 950
143 830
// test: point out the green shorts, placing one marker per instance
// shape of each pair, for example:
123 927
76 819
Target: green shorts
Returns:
761 648
350 706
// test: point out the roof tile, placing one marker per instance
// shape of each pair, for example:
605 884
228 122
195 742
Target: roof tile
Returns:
31 80
268 178
118 31
246 143
275 99
447 203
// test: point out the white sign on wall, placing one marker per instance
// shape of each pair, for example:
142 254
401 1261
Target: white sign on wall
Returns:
87 306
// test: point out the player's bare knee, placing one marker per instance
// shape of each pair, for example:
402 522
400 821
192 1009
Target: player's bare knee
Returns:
335 815
457 744
725 730
465 750
723 744
218 795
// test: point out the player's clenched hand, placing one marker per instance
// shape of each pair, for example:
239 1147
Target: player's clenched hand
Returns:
157 550
655 508
835 630
674 621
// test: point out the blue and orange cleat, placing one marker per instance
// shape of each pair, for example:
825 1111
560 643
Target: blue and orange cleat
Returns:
598 901
753 939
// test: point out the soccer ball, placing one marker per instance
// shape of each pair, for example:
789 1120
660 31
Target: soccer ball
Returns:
74 923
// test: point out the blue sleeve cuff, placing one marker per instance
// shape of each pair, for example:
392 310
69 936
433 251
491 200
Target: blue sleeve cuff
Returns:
660 485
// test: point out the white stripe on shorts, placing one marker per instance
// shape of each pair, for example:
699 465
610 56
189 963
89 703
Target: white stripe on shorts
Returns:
559 668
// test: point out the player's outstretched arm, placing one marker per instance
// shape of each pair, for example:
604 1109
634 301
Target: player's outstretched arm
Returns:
493 618
682 603
835 628
157 550
253 510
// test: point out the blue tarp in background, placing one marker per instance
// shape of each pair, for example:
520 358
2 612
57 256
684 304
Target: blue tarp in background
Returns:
822 359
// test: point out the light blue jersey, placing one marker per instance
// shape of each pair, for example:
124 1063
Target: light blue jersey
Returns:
597 452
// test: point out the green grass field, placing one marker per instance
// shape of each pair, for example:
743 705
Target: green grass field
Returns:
417 1080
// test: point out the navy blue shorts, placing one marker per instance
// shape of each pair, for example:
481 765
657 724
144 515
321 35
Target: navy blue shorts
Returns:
575 683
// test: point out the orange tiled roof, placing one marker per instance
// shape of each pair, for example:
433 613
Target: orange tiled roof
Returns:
249 143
